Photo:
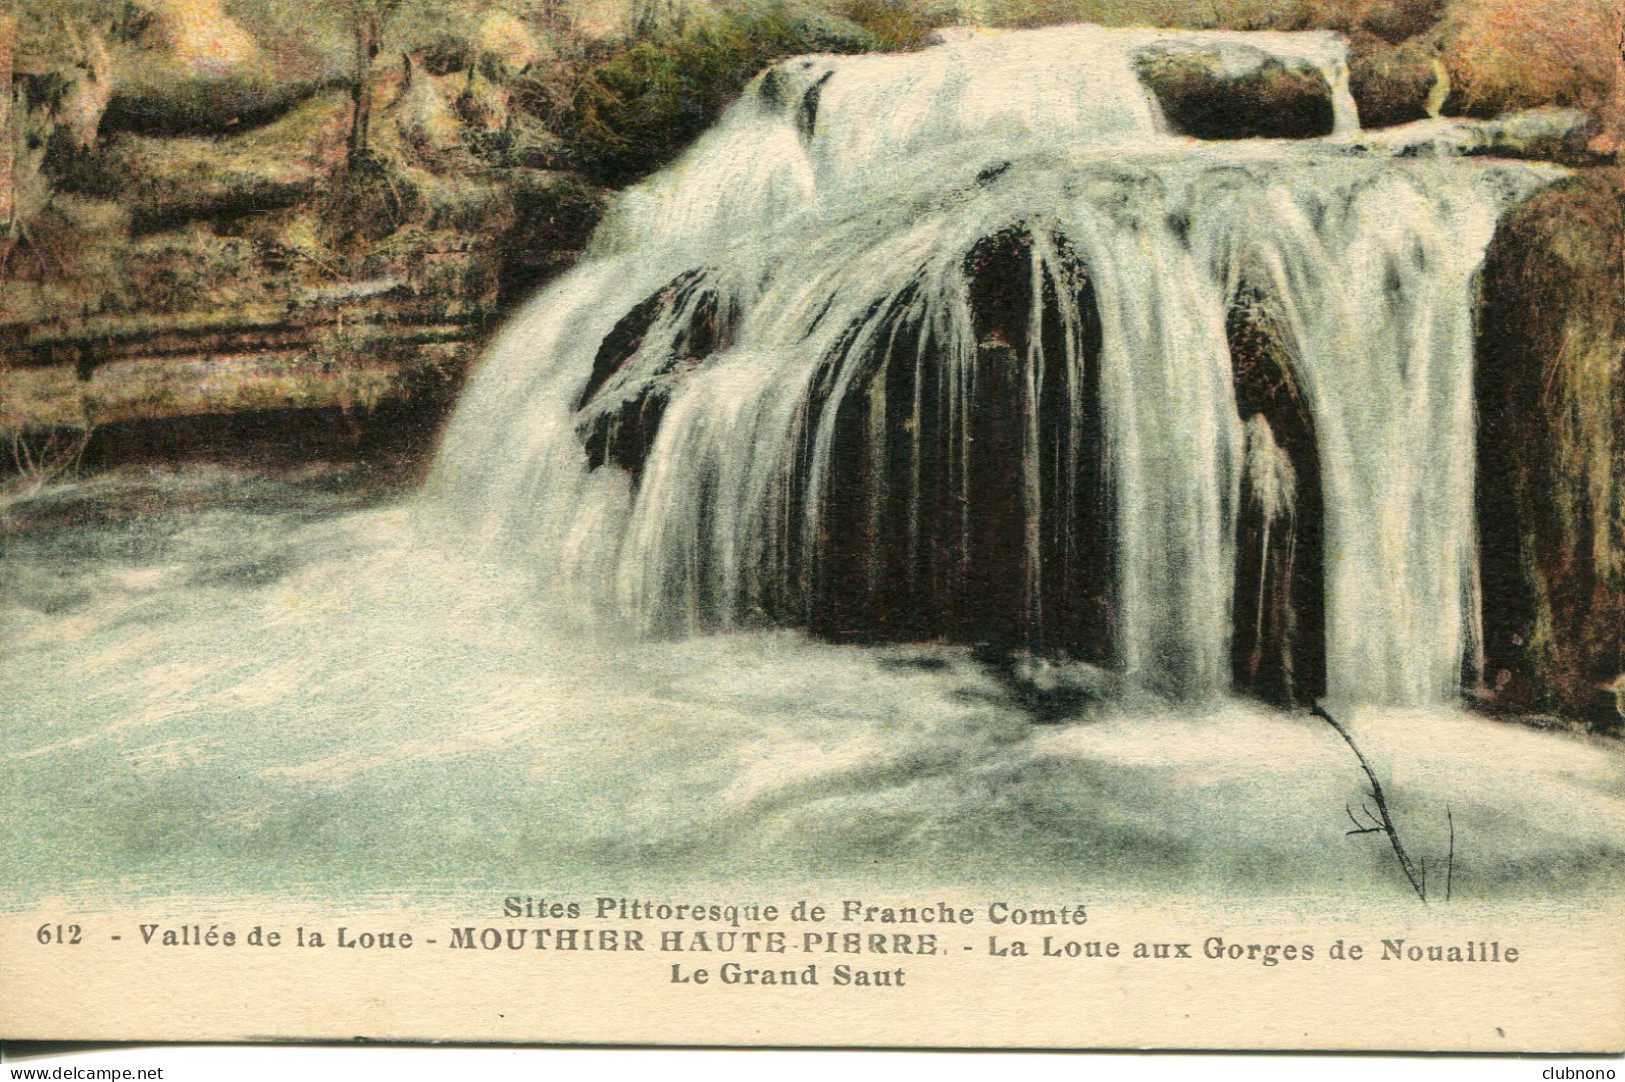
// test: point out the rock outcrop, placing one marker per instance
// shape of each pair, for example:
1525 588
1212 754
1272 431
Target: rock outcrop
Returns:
1552 452
173 283
1209 95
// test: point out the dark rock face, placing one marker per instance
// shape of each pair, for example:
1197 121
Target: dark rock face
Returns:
1278 649
1271 101
797 87
626 395
987 518
939 524
1391 84
978 509
1551 492
554 214
969 509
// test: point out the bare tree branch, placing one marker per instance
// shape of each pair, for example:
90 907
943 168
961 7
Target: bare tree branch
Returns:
1417 877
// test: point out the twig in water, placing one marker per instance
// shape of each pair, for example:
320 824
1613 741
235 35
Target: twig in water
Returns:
1359 827
1381 817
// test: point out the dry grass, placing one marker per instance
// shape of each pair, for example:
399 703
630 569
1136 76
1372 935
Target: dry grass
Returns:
39 446
1513 54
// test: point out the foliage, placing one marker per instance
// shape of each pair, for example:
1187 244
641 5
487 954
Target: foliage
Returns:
32 459
894 25
638 102
194 268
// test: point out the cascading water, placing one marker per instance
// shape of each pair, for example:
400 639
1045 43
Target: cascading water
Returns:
955 345
965 347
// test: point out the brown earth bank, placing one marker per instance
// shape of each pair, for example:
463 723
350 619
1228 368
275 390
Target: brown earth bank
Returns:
329 217
169 282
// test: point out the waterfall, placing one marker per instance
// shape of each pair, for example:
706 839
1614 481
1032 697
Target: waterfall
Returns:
955 346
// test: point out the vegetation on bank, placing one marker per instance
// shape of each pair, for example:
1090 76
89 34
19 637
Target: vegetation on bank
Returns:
279 138
322 137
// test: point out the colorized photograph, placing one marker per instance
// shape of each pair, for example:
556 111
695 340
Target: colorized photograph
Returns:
1075 452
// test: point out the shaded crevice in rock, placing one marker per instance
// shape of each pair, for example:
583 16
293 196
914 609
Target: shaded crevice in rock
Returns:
968 502
1551 439
807 111
158 104
1278 650
792 87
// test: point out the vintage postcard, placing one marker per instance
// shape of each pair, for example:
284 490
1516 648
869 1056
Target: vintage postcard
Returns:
945 523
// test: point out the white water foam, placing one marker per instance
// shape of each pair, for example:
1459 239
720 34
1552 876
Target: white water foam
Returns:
804 230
